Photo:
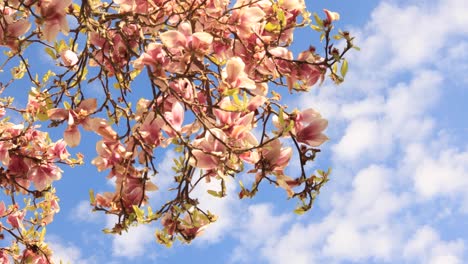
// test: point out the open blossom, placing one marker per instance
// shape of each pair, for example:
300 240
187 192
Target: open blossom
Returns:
75 117
43 175
234 74
69 58
54 14
183 38
209 150
155 57
15 219
309 126
247 19
109 153
150 129
11 29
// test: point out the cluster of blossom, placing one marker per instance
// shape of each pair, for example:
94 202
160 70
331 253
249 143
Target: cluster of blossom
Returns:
29 166
215 72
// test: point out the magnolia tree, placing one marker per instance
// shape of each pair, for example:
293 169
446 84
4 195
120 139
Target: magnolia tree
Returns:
211 73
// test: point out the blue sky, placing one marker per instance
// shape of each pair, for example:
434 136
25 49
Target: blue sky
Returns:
398 149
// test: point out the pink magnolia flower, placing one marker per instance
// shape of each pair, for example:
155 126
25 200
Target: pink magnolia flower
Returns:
209 150
234 75
175 118
308 74
69 58
109 153
43 175
183 38
75 117
309 126
276 156
54 14
150 129
15 219
331 16
246 19
11 29
58 150
17 166
277 159
104 199
155 57
183 87
100 127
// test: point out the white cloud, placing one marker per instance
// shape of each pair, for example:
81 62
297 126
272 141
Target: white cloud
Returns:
257 228
224 208
363 138
425 246
442 174
133 243
83 213
68 252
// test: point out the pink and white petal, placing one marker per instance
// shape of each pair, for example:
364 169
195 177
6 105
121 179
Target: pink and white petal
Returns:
72 136
308 115
185 28
246 82
331 16
89 105
234 67
317 140
202 160
173 39
177 115
18 28
57 114
253 15
203 37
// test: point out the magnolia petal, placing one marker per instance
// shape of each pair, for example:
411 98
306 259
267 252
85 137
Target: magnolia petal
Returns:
234 67
69 58
253 14
331 16
150 186
203 37
57 114
317 140
173 39
89 105
177 115
308 115
314 128
246 82
202 160
18 28
72 136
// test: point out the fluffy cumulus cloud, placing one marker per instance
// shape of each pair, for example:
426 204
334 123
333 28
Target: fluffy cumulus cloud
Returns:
134 243
390 133
68 252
